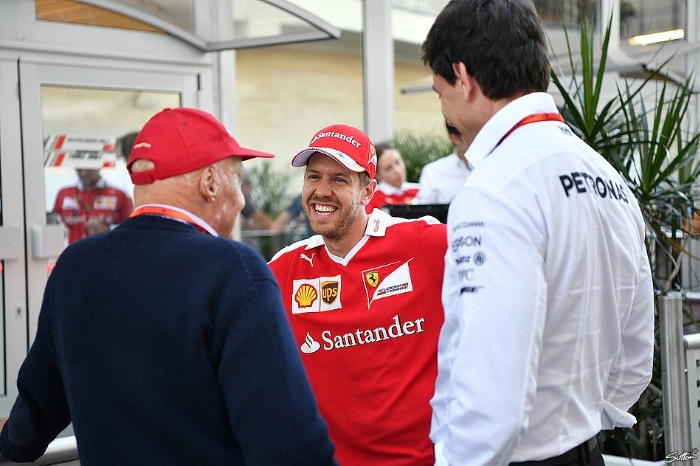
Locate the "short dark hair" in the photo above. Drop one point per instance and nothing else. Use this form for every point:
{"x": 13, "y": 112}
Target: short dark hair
{"x": 501, "y": 43}
{"x": 381, "y": 148}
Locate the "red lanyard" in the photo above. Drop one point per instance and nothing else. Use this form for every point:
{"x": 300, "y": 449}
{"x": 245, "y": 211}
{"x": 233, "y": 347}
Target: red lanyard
{"x": 535, "y": 118}
{"x": 170, "y": 213}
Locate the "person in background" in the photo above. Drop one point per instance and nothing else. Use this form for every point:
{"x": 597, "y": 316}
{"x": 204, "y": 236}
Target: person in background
{"x": 91, "y": 206}
{"x": 184, "y": 355}
{"x": 549, "y": 304}
{"x": 293, "y": 216}
{"x": 392, "y": 187}
{"x": 253, "y": 217}
{"x": 440, "y": 180}
{"x": 364, "y": 307}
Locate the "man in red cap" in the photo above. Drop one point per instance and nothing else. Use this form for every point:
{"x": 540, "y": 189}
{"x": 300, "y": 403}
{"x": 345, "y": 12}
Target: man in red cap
{"x": 363, "y": 299}
{"x": 184, "y": 356}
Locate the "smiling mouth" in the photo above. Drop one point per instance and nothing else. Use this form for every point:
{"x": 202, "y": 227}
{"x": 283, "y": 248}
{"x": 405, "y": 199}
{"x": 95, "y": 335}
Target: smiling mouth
{"x": 323, "y": 209}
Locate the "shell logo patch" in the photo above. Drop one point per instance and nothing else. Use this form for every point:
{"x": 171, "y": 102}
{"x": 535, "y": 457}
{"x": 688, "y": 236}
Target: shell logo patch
{"x": 372, "y": 279}
{"x": 105, "y": 202}
{"x": 305, "y": 294}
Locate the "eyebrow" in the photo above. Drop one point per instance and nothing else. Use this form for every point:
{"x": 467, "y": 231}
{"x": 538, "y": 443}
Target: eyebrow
{"x": 318, "y": 172}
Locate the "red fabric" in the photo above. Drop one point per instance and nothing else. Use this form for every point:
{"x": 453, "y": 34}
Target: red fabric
{"x": 347, "y": 145}
{"x": 373, "y": 382}
{"x": 75, "y": 206}
{"x": 181, "y": 140}
{"x": 380, "y": 199}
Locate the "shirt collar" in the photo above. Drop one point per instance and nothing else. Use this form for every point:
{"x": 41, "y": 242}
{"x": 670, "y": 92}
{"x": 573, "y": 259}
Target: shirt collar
{"x": 377, "y": 223}
{"x": 391, "y": 190}
{"x": 504, "y": 120}
{"x": 192, "y": 216}
{"x": 101, "y": 184}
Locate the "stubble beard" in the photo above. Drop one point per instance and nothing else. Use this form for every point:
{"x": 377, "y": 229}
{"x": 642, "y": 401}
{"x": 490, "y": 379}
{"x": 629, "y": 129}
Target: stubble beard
{"x": 339, "y": 230}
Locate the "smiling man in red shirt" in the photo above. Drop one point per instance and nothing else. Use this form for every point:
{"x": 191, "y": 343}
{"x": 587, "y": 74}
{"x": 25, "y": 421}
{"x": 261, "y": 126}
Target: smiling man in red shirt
{"x": 363, "y": 299}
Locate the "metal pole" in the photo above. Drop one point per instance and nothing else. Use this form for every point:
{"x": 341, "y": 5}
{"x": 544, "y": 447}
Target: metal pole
{"x": 378, "y": 61}
{"x": 673, "y": 373}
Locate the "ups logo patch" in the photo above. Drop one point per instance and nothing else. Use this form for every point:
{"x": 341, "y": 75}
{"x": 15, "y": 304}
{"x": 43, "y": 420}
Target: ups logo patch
{"x": 329, "y": 291}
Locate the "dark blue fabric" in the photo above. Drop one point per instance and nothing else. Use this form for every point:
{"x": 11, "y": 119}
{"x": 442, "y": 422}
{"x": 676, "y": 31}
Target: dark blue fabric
{"x": 165, "y": 346}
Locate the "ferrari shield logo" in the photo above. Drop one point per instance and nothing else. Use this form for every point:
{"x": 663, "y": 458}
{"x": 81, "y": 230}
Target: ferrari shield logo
{"x": 372, "y": 278}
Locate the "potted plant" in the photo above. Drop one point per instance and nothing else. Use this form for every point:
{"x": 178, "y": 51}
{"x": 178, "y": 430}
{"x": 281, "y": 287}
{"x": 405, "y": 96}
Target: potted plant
{"x": 641, "y": 132}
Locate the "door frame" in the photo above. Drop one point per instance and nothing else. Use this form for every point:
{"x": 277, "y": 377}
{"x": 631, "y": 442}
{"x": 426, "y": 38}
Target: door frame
{"x": 28, "y": 242}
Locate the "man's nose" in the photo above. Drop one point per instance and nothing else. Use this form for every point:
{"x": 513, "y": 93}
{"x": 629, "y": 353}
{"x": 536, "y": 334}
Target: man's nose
{"x": 324, "y": 189}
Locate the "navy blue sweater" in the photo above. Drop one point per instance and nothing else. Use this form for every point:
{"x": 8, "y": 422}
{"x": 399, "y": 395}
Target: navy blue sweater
{"x": 165, "y": 346}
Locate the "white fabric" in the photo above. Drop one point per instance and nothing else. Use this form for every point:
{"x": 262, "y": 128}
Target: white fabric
{"x": 391, "y": 190}
{"x": 441, "y": 180}
{"x": 548, "y": 298}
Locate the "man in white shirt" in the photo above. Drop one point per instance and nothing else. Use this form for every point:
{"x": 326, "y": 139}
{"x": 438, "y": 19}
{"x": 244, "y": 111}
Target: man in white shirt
{"x": 548, "y": 334}
{"x": 440, "y": 180}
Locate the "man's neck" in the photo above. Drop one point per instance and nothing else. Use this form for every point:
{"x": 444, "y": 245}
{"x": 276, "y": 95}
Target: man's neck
{"x": 461, "y": 156}
{"x": 341, "y": 247}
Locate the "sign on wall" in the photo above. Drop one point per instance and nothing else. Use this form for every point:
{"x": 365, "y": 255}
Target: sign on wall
{"x": 85, "y": 152}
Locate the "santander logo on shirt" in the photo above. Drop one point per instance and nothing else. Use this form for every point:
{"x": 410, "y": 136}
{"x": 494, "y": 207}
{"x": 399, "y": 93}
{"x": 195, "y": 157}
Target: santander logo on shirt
{"x": 396, "y": 329}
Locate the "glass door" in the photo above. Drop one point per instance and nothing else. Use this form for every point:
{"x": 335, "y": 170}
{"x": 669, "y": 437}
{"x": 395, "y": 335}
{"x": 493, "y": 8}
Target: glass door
{"x": 78, "y": 123}
{"x": 64, "y": 113}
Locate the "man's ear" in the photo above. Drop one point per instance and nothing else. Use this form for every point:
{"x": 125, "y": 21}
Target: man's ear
{"x": 465, "y": 81}
{"x": 369, "y": 192}
{"x": 209, "y": 183}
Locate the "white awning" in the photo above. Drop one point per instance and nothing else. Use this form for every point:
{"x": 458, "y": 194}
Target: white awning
{"x": 213, "y": 25}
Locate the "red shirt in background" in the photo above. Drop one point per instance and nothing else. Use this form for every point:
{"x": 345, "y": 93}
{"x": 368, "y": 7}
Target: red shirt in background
{"x": 104, "y": 203}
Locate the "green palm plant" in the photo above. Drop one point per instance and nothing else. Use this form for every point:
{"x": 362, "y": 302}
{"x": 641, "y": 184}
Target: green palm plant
{"x": 656, "y": 154}
{"x": 419, "y": 150}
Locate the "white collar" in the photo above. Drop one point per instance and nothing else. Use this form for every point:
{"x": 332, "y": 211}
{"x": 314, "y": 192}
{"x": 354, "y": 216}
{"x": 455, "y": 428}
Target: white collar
{"x": 377, "y": 223}
{"x": 504, "y": 120}
{"x": 391, "y": 190}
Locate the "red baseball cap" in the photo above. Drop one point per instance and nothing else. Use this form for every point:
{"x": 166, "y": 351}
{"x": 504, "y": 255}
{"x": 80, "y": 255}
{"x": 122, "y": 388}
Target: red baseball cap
{"x": 347, "y": 145}
{"x": 181, "y": 140}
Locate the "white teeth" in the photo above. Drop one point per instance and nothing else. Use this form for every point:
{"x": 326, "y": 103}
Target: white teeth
{"x": 324, "y": 208}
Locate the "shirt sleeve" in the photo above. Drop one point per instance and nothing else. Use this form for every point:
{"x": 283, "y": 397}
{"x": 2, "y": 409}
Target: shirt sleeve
{"x": 40, "y": 411}
{"x": 434, "y": 244}
{"x": 57, "y": 204}
{"x": 631, "y": 372}
{"x": 494, "y": 295}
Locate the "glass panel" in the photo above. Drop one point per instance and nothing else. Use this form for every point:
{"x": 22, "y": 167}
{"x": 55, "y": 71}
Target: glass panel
{"x": 3, "y": 386}
{"x": 87, "y": 137}
{"x": 250, "y": 22}
{"x": 180, "y": 12}
{"x": 69, "y": 11}
{"x": 426, "y": 7}
{"x": 90, "y": 132}
{"x": 253, "y": 19}
{"x": 570, "y": 11}
{"x": 645, "y": 17}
